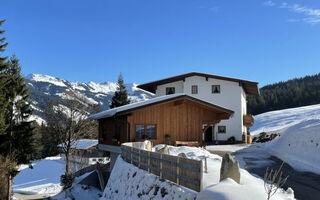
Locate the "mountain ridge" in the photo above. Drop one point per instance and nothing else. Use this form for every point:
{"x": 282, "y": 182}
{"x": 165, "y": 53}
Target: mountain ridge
{"x": 45, "y": 88}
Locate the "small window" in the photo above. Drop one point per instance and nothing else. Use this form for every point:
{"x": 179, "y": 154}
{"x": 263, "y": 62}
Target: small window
{"x": 170, "y": 90}
{"x": 140, "y": 131}
{"x": 194, "y": 89}
{"x": 93, "y": 159}
{"x": 151, "y": 131}
{"x": 215, "y": 88}
{"x": 100, "y": 159}
{"x": 222, "y": 129}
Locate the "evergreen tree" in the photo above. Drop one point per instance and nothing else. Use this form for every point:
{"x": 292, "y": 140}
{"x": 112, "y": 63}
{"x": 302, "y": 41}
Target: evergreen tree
{"x": 16, "y": 132}
{"x": 120, "y": 97}
{"x": 3, "y": 80}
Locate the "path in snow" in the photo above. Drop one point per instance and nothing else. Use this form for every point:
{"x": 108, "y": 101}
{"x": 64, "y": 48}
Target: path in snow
{"x": 256, "y": 160}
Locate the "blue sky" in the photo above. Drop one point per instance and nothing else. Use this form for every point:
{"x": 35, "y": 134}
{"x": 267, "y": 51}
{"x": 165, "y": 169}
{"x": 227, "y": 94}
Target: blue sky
{"x": 95, "y": 40}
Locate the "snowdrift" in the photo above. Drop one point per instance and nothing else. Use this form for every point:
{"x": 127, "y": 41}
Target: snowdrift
{"x": 299, "y": 146}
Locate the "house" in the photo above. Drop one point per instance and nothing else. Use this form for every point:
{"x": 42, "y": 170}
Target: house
{"x": 226, "y": 92}
{"x": 179, "y": 116}
{"x": 85, "y": 152}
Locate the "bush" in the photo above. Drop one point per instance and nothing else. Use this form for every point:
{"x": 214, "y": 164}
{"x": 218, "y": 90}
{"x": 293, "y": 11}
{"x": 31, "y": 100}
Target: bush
{"x": 66, "y": 180}
{"x": 231, "y": 140}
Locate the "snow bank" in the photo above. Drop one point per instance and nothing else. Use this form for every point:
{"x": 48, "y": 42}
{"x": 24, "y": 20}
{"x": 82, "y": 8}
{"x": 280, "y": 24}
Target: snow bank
{"x": 278, "y": 121}
{"x": 299, "y": 146}
{"x": 129, "y": 182}
{"x": 44, "y": 178}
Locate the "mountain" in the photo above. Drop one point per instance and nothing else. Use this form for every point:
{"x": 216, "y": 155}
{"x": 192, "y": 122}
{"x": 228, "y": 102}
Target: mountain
{"x": 289, "y": 94}
{"x": 44, "y": 88}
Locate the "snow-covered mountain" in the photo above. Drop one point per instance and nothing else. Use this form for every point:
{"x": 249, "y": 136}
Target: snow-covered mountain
{"x": 44, "y": 88}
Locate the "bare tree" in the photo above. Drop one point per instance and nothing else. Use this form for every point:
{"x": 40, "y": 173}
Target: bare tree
{"x": 273, "y": 180}
{"x": 68, "y": 118}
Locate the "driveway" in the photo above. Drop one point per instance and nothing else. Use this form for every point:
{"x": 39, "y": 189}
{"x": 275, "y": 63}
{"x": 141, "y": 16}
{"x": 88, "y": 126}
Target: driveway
{"x": 306, "y": 185}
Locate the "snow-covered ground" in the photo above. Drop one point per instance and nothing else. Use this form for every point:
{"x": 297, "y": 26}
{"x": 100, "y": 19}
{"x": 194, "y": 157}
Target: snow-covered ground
{"x": 44, "y": 178}
{"x": 278, "y": 121}
{"x": 129, "y": 182}
{"x": 299, "y": 143}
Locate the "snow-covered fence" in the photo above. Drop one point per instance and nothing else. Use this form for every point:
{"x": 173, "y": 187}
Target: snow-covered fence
{"x": 182, "y": 171}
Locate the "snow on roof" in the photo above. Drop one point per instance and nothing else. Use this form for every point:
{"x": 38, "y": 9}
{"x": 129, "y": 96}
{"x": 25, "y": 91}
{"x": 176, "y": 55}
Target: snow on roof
{"x": 114, "y": 111}
{"x": 83, "y": 144}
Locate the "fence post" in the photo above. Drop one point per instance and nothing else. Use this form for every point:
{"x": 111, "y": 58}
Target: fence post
{"x": 161, "y": 166}
{"x": 131, "y": 149}
{"x": 139, "y": 159}
{"x": 149, "y": 161}
{"x": 178, "y": 170}
{"x": 201, "y": 176}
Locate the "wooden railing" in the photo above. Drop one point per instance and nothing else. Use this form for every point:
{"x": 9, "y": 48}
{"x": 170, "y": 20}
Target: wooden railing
{"x": 182, "y": 171}
{"x": 248, "y": 120}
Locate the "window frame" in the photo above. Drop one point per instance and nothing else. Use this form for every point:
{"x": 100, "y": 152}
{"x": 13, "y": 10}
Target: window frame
{"x": 213, "y": 89}
{"x": 170, "y": 88}
{"x": 145, "y": 131}
{"x": 196, "y": 89}
{"x": 225, "y": 130}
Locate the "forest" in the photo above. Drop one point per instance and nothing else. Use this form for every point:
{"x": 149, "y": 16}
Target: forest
{"x": 289, "y": 94}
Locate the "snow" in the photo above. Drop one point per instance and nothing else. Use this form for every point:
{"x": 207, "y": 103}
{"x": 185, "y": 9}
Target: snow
{"x": 112, "y": 112}
{"x": 129, "y": 182}
{"x": 47, "y": 78}
{"x": 299, "y": 146}
{"x": 278, "y": 121}
{"x": 299, "y": 141}
{"x": 83, "y": 144}
{"x": 78, "y": 191}
{"x": 44, "y": 178}
{"x": 228, "y": 148}
{"x": 106, "y": 87}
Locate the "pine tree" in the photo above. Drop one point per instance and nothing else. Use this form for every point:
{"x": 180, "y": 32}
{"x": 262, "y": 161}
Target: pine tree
{"x": 16, "y": 136}
{"x": 120, "y": 97}
{"x": 3, "y": 80}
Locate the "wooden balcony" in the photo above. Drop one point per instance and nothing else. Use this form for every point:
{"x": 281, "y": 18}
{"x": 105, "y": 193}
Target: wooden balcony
{"x": 248, "y": 120}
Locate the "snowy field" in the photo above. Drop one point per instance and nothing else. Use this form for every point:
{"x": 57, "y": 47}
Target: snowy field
{"x": 44, "y": 178}
{"x": 278, "y": 121}
{"x": 299, "y": 143}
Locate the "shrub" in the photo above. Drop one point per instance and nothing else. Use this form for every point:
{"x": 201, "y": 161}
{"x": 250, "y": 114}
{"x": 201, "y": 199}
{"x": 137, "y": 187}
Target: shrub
{"x": 66, "y": 180}
{"x": 231, "y": 140}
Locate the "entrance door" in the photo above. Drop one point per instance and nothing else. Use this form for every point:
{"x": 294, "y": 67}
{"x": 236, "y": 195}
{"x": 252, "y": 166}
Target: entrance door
{"x": 209, "y": 135}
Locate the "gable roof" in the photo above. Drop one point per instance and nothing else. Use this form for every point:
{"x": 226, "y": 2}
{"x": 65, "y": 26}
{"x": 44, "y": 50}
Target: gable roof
{"x": 248, "y": 86}
{"x": 82, "y": 144}
{"x": 153, "y": 101}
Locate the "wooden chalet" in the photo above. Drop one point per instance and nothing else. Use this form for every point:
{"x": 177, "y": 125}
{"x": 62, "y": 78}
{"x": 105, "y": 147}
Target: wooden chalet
{"x": 164, "y": 119}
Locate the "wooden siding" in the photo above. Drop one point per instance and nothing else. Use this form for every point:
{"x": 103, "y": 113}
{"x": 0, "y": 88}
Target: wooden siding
{"x": 181, "y": 119}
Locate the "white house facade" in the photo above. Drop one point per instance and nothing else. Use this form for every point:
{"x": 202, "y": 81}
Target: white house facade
{"x": 226, "y": 92}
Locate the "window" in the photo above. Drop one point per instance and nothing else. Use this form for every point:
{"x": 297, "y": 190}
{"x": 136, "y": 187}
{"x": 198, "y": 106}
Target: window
{"x": 147, "y": 131}
{"x": 151, "y": 132}
{"x": 215, "y": 88}
{"x": 170, "y": 90}
{"x": 194, "y": 89}
{"x": 221, "y": 129}
{"x": 140, "y": 131}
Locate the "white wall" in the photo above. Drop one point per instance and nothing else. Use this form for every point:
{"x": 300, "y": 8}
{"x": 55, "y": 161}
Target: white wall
{"x": 161, "y": 89}
{"x": 230, "y": 97}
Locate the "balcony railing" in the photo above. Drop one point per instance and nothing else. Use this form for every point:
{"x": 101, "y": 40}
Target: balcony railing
{"x": 248, "y": 120}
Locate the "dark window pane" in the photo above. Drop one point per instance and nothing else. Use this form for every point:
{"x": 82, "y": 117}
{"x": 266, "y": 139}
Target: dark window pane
{"x": 194, "y": 89}
{"x": 215, "y": 88}
{"x": 151, "y": 132}
{"x": 221, "y": 129}
{"x": 140, "y": 131}
{"x": 170, "y": 90}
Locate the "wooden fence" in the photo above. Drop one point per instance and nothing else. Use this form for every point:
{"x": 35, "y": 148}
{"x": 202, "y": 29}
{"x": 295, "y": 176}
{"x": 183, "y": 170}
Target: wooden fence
{"x": 182, "y": 171}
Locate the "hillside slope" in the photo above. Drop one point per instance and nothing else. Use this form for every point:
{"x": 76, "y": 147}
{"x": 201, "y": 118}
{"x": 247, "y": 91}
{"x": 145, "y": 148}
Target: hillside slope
{"x": 299, "y": 141}
{"x": 45, "y": 88}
